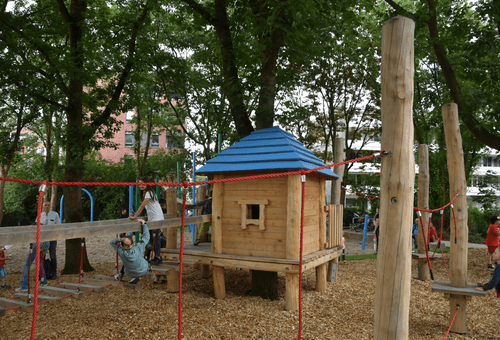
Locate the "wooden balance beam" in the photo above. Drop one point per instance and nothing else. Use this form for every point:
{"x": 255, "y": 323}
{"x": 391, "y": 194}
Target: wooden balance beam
{"x": 26, "y": 235}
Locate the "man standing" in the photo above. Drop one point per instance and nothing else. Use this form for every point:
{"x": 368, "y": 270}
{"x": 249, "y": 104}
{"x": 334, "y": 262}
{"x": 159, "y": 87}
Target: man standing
{"x": 48, "y": 217}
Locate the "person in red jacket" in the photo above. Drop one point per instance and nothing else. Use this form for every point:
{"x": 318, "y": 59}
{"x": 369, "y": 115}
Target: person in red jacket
{"x": 433, "y": 236}
{"x": 493, "y": 238}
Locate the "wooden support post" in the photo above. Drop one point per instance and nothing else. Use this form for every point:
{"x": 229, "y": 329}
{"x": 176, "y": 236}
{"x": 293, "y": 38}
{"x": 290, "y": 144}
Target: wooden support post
{"x": 322, "y": 213}
{"x": 423, "y": 203}
{"x": 293, "y": 240}
{"x": 217, "y": 205}
{"x": 219, "y": 284}
{"x": 458, "y": 185}
{"x": 392, "y": 293}
{"x": 292, "y": 292}
{"x": 338, "y": 157}
{"x": 331, "y": 275}
{"x": 321, "y": 277}
{"x": 201, "y": 193}
{"x": 205, "y": 271}
{"x": 173, "y": 276}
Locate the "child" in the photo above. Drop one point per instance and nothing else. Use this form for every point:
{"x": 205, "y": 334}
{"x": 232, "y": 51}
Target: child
{"x": 153, "y": 209}
{"x": 134, "y": 265}
{"x": 343, "y": 250}
{"x": 492, "y": 238}
{"x": 206, "y": 210}
{"x": 3, "y": 274}
{"x": 495, "y": 281}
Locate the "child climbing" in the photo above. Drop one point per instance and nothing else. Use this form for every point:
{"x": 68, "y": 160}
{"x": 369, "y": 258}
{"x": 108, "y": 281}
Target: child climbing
{"x": 134, "y": 265}
{"x": 154, "y": 213}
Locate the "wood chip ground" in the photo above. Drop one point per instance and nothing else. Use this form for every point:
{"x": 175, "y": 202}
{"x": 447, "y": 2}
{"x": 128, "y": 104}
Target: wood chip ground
{"x": 344, "y": 311}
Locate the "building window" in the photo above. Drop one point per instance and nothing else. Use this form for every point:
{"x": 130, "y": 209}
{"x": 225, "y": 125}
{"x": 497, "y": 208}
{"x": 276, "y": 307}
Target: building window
{"x": 487, "y": 161}
{"x": 129, "y": 116}
{"x": 155, "y": 140}
{"x": 129, "y": 139}
{"x": 173, "y": 142}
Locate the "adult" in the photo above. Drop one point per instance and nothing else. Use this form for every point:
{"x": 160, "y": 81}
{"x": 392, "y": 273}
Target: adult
{"x": 492, "y": 238}
{"x": 49, "y": 217}
{"x": 123, "y": 214}
{"x": 29, "y": 260}
{"x": 206, "y": 210}
{"x": 376, "y": 232}
{"x": 153, "y": 209}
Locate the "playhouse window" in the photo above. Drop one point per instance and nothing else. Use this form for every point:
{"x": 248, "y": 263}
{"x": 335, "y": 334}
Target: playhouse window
{"x": 252, "y": 212}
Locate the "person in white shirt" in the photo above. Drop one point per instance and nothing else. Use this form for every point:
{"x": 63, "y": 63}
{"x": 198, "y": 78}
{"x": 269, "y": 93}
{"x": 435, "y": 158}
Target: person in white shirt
{"x": 154, "y": 213}
{"x": 48, "y": 217}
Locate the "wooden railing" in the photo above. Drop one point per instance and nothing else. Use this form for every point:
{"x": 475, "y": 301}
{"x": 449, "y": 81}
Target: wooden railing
{"x": 335, "y": 224}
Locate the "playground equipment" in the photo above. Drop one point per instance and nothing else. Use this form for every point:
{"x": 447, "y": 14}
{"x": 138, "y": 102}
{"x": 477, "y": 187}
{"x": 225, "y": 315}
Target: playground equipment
{"x": 256, "y": 222}
{"x": 91, "y": 206}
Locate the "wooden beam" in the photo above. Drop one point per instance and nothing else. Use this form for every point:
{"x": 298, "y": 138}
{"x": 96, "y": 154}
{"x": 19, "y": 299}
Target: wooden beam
{"x": 392, "y": 292}
{"x": 9, "y": 303}
{"x": 423, "y": 203}
{"x": 88, "y": 229}
{"x": 217, "y": 208}
{"x": 458, "y": 185}
{"x": 41, "y": 298}
{"x": 83, "y": 287}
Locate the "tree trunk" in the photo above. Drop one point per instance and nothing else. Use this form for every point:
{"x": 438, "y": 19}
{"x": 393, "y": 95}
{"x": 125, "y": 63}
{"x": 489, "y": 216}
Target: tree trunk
{"x": 4, "y": 172}
{"x": 264, "y": 284}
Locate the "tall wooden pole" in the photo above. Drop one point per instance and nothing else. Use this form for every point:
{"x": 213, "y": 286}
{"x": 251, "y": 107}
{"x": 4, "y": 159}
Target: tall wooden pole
{"x": 338, "y": 157}
{"x": 392, "y": 293}
{"x": 423, "y": 203}
{"x": 458, "y": 185}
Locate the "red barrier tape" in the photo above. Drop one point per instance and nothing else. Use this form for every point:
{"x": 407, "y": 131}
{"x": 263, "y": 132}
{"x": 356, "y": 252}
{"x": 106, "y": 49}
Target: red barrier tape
{"x": 12, "y": 308}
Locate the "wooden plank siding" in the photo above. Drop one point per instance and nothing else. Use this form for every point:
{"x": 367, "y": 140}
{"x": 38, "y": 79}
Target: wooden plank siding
{"x": 334, "y": 237}
{"x": 252, "y": 241}
{"x": 311, "y": 216}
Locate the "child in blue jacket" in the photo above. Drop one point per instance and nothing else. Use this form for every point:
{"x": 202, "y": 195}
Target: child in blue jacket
{"x": 134, "y": 264}
{"x": 495, "y": 281}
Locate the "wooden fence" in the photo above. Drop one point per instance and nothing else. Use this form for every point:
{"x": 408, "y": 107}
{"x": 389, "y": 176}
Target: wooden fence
{"x": 335, "y": 224}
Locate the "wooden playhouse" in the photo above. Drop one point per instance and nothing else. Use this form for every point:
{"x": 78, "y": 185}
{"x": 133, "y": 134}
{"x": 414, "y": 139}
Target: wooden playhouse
{"x": 256, "y": 222}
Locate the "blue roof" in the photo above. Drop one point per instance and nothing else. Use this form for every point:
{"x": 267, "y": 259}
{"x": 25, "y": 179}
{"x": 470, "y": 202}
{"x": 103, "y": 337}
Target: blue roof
{"x": 265, "y": 149}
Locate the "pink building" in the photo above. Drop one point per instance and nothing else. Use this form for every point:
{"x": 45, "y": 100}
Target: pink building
{"x": 125, "y": 140}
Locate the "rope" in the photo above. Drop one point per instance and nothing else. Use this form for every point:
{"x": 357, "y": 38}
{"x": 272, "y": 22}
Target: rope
{"x": 35, "y": 304}
{"x": 455, "y": 221}
{"x": 184, "y": 191}
{"x": 452, "y": 320}
{"x": 434, "y": 210}
{"x": 426, "y": 245}
{"x": 303, "y": 179}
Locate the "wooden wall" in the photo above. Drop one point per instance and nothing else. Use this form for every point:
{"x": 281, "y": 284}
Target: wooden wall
{"x": 270, "y": 242}
{"x": 311, "y": 214}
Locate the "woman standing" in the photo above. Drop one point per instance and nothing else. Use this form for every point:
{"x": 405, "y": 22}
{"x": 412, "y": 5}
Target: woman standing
{"x": 154, "y": 213}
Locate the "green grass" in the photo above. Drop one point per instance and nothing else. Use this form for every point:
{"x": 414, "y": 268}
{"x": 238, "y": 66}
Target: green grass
{"x": 360, "y": 257}
{"x": 374, "y": 256}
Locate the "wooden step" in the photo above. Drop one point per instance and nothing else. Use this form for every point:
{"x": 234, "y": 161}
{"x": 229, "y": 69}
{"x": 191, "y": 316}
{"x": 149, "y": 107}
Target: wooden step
{"x": 83, "y": 287}
{"x": 41, "y": 298}
{"x": 2, "y": 311}
{"x": 100, "y": 282}
{"x": 61, "y": 291}
{"x": 9, "y": 303}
